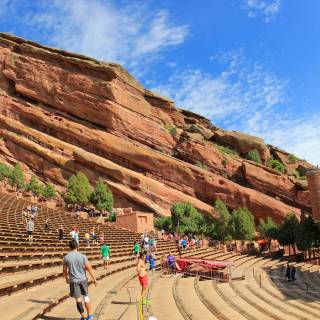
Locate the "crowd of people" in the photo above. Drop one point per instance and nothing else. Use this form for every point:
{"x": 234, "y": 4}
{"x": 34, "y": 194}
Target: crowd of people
{"x": 75, "y": 264}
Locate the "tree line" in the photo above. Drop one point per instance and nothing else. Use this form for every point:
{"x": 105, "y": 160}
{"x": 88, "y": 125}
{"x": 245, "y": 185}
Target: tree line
{"x": 78, "y": 190}
{"x": 239, "y": 224}
{"x": 14, "y": 176}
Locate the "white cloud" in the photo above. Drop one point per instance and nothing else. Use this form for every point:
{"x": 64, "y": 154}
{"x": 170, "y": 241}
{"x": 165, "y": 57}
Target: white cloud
{"x": 131, "y": 34}
{"x": 248, "y": 97}
{"x": 266, "y": 8}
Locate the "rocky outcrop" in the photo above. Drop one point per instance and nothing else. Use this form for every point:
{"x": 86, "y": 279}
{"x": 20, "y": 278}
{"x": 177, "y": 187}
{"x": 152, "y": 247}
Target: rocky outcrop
{"x": 62, "y": 112}
{"x": 241, "y": 142}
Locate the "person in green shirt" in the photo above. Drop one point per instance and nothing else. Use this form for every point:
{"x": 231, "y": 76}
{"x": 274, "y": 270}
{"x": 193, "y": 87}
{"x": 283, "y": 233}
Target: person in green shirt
{"x": 136, "y": 248}
{"x": 105, "y": 252}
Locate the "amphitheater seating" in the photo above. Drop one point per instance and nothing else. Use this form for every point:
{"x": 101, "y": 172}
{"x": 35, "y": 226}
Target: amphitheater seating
{"x": 175, "y": 297}
{"x": 25, "y": 265}
{"x": 31, "y": 283}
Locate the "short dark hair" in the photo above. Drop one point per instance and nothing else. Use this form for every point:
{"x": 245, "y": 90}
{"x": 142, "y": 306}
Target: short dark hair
{"x": 73, "y": 244}
{"x": 141, "y": 255}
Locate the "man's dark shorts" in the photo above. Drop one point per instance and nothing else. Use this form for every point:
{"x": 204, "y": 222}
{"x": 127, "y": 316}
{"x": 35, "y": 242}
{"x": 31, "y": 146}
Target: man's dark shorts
{"x": 29, "y": 233}
{"x": 78, "y": 289}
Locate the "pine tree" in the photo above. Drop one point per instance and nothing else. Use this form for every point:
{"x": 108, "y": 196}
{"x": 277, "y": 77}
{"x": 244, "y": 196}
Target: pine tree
{"x": 102, "y": 197}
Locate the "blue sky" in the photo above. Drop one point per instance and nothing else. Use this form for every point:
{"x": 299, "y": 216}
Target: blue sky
{"x": 248, "y": 65}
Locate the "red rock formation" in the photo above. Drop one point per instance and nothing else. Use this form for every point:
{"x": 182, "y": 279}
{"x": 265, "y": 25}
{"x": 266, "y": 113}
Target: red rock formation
{"x": 314, "y": 183}
{"x": 62, "y": 112}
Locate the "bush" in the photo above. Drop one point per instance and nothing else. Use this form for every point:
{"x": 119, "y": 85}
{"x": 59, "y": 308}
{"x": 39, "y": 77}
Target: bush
{"x": 49, "y": 191}
{"x": 170, "y": 128}
{"x": 226, "y": 150}
{"x": 201, "y": 165}
{"x": 112, "y": 217}
{"x": 225, "y": 162}
{"x": 277, "y": 165}
{"x": 293, "y": 158}
{"x": 5, "y": 171}
{"x": 102, "y": 197}
{"x": 254, "y": 155}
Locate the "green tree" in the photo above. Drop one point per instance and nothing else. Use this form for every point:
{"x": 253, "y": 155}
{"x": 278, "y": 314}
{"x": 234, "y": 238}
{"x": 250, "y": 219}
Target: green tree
{"x": 34, "y": 186}
{"x": 164, "y": 223}
{"x": 16, "y": 177}
{"x": 186, "y": 218}
{"x": 49, "y": 191}
{"x": 307, "y": 235}
{"x": 254, "y": 155}
{"x": 5, "y": 171}
{"x": 242, "y": 224}
{"x": 101, "y": 197}
{"x": 222, "y": 228}
{"x": 78, "y": 189}
{"x": 277, "y": 165}
{"x": 268, "y": 229}
{"x": 287, "y": 231}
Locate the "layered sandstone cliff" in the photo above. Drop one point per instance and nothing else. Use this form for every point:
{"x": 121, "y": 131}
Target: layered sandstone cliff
{"x": 62, "y": 112}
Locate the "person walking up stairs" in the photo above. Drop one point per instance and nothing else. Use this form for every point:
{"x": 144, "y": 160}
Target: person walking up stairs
{"x": 75, "y": 265}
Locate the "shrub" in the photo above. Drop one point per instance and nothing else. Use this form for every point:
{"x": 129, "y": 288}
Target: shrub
{"x": 277, "y": 165}
{"x": 225, "y": 162}
{"x": 174, "y": 153}
{"x": 112, "y": 217}
{"x": 254, "y": 155}
{"x": 296, "y": 174}
{"x": 49, "y": 191}
{"x": 170, "y": 128}
{"x": 201, "y": 165}
{"x": 5, "y": 171}
{"x": 226, "y": 150}
{"x": 293, "y": 158}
